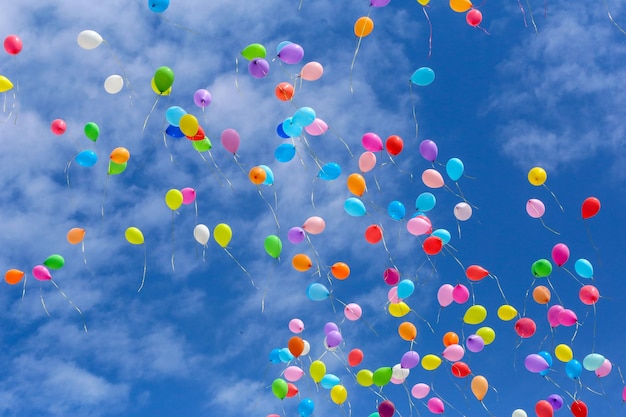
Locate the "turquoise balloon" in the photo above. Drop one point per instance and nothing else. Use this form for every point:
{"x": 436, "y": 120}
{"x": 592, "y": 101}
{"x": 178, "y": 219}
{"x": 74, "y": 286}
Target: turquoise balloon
{"x": 285, "y": 152}
{"x": 173, "y": 115}
{"x": 354, "y": 207}
{"x": 423, "y": 76}
{"x": 86, "y": 158}
{"x": 573, "y": 369}
{"x": 285, "y": 355}
{"x": 329, "y": 380}
{"x": 304, "y": 116}
{"x": 396, "y": 210}
{"x": 593, "y": 361}
{"x": 306, "y": 407}
{"x": 548, "y": 358}
{"x": 269, "y": 175}
{"x": 158, "y": 6}
{"x": 584, "y": 268}
{"x": 405, "y": 288}
{"x": 330, "y": 171}
{"x": 455, "y": 168}
{"x": 425, "y": 202}
{"x": 291, "y": 129}
{"x": 442, "y": 234}
{"x": 317, "y": 292}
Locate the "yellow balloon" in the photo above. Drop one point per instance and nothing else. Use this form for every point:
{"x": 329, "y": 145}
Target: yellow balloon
{"x": 174, "y": 199}
{"x": 487, "y": 333}
{"x": 431, "y": 362}
{"x": 134, "y": 236}
{"x": 563, "y": 353}
{"x": 423, "y": 2}
{"x": 156, "y": 90}
{"x": 537, "y": 176}
{"x": 460, "y": 6}
{"x": 223, "y": 234}
{"x": 479, "y": 386}
{"x": 189, "y": 125}
{"x": 356, "y": 184}
{"x": 476, "y": 314}
{"x": 400, "y": 309}
{"x": 507, "y": 312}
{"x": 317, "y": 370}
{"x": 339, "y": 394}
{"x": 365, "y": 377}
{"x": 5, "y": 84}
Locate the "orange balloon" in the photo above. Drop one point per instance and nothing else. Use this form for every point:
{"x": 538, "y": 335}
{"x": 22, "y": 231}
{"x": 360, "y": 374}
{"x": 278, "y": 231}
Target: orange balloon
{"x": 479, "y": 387}
{"x": 541, "y": 294}
{"x": 460, "y": 6}
{"x": 13, "y": 276}
{"x": 340, "y": 270}
{"x": 257, "y": 175}
{"x": 296, "y": 346}
{"x": 75, "y": 235}
{"x": 120, "y": 155}
{"x": 450, "y": 338}
{"x": 356, "y": 184}
{"x": 284, "y": 91}
{"x": 407, "y": 331}
{"x": 363, "y": 26}
{"x": 301, "y": 262}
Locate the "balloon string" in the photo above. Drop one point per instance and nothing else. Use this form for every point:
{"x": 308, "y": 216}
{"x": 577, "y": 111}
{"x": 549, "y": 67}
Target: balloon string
{"x": 220, "y": 171}
{"x": 425, "y": 321}
{"x": 387, "y": 249}
{"x": 186, "y": 29}
{"x": 554, "y": 196}
{"x": 240, "y": 266}
{"x": 593, "y": 245}
{"x": 71, "y": 303}
{"x": 356, "y": 51}
{"x": 115, "y": 57}
{"x": 270, "y": 206}
{"x": 546, "y": 226}
{"x": 237, "y": 74}
{"x": 499, "y": 288}
{"x": 145, "y": 122}
{"x": 553, "y": 290}
{"x": 173, "y": 242}
{"x": 104, "y": 197}
{"x": 313, "y": 192}
{"x": 430, "y": 32}
{"x": 606, "y": 6}
{"x": 595, "y": 325}
{"x": 145, "y": 267}
{"x": 432, "y": 388}
{"x": 413, "y": 105}
{"x": 67, "y": 172}
{"x": 342, "y": 141}
{"x": 239, "y": 164}
{"x": 532, "y": 18}
{"x": 172, "y": 160}
{"x": 43, "y": 304}
{"x": 572, "y": 275}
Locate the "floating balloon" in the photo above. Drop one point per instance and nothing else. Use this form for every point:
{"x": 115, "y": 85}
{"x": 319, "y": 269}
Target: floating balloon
{"x": 285, "y": 152}
{"x": 573, "y": 369}
{"x": 583, "y": 268}
{"x": 158, "y": 6}
{"x": 563, "y": 353}
{"x": 525, "y": 327}
{"x": 254, "y": 50}
{"x": 461, "y": 294}
{"x": 355, "y": 357}
{"x": 544, "y": 409}
{"x": 230, "y": 140}
{"x": 314, "y": 225}
{"x": 5, "y": 84}
{"x": 301, "y": 262}
{"x": 420, "y": 390}
{"x": 474, "y": 343}
{"x": 58, "y": 126}
{"x": 75, "y": 235}
{"x": 560, "y": 254}
{"x": 460, "y": 369}
{"x": 329, "y": 172}
{"x": 460, "y": 6}
{"x": 163, "y": 78}
{"x": 13, "y": 276}
{"x": 312, "y": 71}
{"x": 317, "y": 128}
{"x": 119, "y": 155}
{"x": 291, "y": 53}
{"x": 541, "y": 294}
{"x": 258, "y": 68}
{"x": 13, "y": 45}
{"x": 284, "y": 91}
{"x": 507, "y": 312}
{"x": 372, "y": 142}
{"x": 536, "y": 363}
{"x": 89, "y": 39}
{"x": 432, "y": 245}
{"x": 113, "y": 84}
{"x": 363, "y": 27}
{"x": 354, "y": 207}
{"x": 579, "y": 409}
{"x": 373, "y": 234}
{"x": 367, "y": 161}
{"x": 476, "y": 314}
{"x": 222, "y": 233}
{"x": 435, "y": 405}
{"x": 317, "y": 292}
{"x": 340, "y": 270}
{"x": 422, "y": 77}
{"x": 556, "y": 401}
{"x": 202, "y": 98}
{"x": 428, "y": 150}
{"x": 202, "y": 234}
{"x": 462, "y": 211}
{"x": 590, "y": 207}
{"x": 474, "y": 17}
{"x": 476, "y": 272}
{"x": 589, "y": 295}
{"x": 356, "y": 184}
{"x": 352, "y": 311}
{"x": 479, "y": 387}
{"x": 86, "y": 158}
{"x": 432, "y": 178}
{"x": 535, "y": 208}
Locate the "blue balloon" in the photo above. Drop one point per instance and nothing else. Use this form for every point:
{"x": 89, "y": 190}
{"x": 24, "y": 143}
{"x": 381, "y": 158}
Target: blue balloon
{"x": 174, "y": 131}
{"x": 442, "y": 234}
{"x": 455, "y": 168}
{"x": 285, "y": 152}
{"x": 281, "y": 46}
{"x": 396, "y": 210}
{"x": 285, "y": 355}
{"x": 573, "y": 369}
{"x": 584, "y": 268}
{"x": 275, "y": 356}
{"x": 423, "y": 76}
{"x": 306, "y": 407}
{"x": 291, "y": 129}
{"x": 173, "y": 115}
{"x": 405, "y": 288}
{"x": 269, "y": 175}
{"x": 281, "y": 132}
{"x": 354, "y": 207}
{"x": 317, "y": 292}
{"x": 548, "y": 358}
{"x": 158, "y": 6}
{"x": 304, "y": 116}
{"x": 329, "y": 380}
{"x": 86, "y": 158}
{"x": 425, "y": 202}
{"x": 330, "y": 171}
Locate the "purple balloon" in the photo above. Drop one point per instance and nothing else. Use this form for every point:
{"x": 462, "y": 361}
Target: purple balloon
{"x": 410, "y": 359}
{"x": 259, "y": 67}
{"x": 330, "y": 327}
{"x": 202, "y": 98}
{"x": 379, "y": 3}
{"x": 429, "y": 150}
{"x": 296, "y": 235}
{"x": 536, "y": 363}
{"x": 556, "y": 401}
{"x": 291, "y": 53}
{"x": 333, "y": 338}
{"x": 475, "y": 343}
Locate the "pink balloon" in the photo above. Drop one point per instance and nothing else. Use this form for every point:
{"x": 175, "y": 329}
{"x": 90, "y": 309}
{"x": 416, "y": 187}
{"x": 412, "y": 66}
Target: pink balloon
{"x": 311, "y": 71}
{"x": 444, "y": 295}
{"x": 420, "y": 390}
{"x": 604, "y": 369}
{"x": 589, "y": 295}
{"x": 435, "y": 405}
{"x": 367, "y": 161}
{"x": 460, "y": 293}
{"x": 58, "y": 126}
{"x": 230, "y": 140}
{"x": 624, "y": 394}
{"x": 317, "y": 128}
{"x": 12, "y": 45}
{"x": 535, "y": 208}
{"x": 189, "y": 195}
{"x": 293, "y": 373}
{"x": 41, "y": 273}
{"x": 553, "y": 315}
{"x": 454, "y": 353}
{"x": 560, "y": 254}
{"x": 462, "y": 211}
{"x": 296, "y": 325}
{"x": 372, "y": 142}
{"x": 432, "y": 178}
{"x": 419, "y": 225}
{"x": 392, "y": 295}
{"x": 352, "y": 311}
{"x": 314, "y": 225}
{"x": 474, "y": 17}
{"x": 568, "y": 318}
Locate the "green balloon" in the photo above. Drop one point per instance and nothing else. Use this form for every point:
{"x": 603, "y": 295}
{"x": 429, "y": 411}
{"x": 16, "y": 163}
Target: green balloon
{"x": 375, "y": 414}
{"x": 254, "y": 50}
{"x": 541, "y": 268}
{"x": 273, "y": 246}
{"x": 54, "y": 261}
{"x": 280, "y": 388}
{"x": 163, "y": 78}
{"x": 92, "y": 131}
{"x": 115, "y": 168}
{"x": 203, "y": 145}
{"x": 382, "y": 376}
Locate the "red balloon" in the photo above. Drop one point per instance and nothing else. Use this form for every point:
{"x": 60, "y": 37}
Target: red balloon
{"x": 355, "y": 357}
{"x": 544, "y": 409}
{"x": 432, "y": 245}
{"x": 394, "y": 145}
{"x": 590, "y": 207}
{"x": 589, "y": 295}
{"x": 12, "y": 44}
{"x": 579, "y": 409}
{"x": 460, "y": 369}
{"x": 58, "y": 126}
{"x": 373, "y": 234}
{"x": 200, "y": 135}
{"x": 476, "y": 272}
{"x": 292, "y": 390}
{"x": 474, "y": 17}
{"x": 525, "y": 327}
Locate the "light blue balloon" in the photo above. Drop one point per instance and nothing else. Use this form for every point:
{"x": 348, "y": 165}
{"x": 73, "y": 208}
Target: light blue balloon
{"x": 396, "y": 210}
{"x": 158, "y": 6}
{"x": 593, "y": 361}
{"x": 306, "y": 407}
{"x": 425, "y": 202}
{"x": 405, "y": 288}
{"x": 173, "y": 115}
{"x": 269, "y": 175}
{"x": 354, "y": 207}
{"x": 330, "y": 171}
{"x": 548, "y": 358}
{"x": 455, "y": 168}
{"x": 442, "y": 234}
{"x": 317, "y": 292}
{"x": 584, "y": 268}
{"x": 275, "y": 356}
{"x": 285, "y": 355}
{"x": 86, "y": 158}
{"x": 304, "y": 116}
{"x": 573, "y": 369}
{"x": 284, "y": 152}
{"x": 281, "y": 46}
{"x": 291, "y": 129}
{"x": 423, "y": 76}
{"x": 329, "y": 380}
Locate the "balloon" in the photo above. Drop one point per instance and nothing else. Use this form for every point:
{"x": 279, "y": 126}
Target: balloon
{"x": 306, "y": 407}
{"x": 75, "y": 235}
{"x": 311, "y": 71}
{"x": 460, "y": 369}
{"x": 365, "y": 377}
{"x": 476, "y": 314}
{"x": 382, "y": 376}
{"x": 396, "y": 210}
{"x": 560, "y": 254}
{"x": 591, "y": 362}
{"x": 257, "y": 175}
{"x": 519, "y": 413}
{"x": 134, "y": 236}
{"x": 330, "y": 171}
{"x": 405, "y": 288}
{"x": 222, "y": 234}
{"x": 432, "y": 178}
{"x": 291, "y": 129}
{"x": 333, "y": 339}
{"x": 541, "y": 268}
{"x": 544, "y": 409}
{"x": 317, "y": 292}
{"x": 487, "y": 334}
{"x": 462, "y": 211}
{"x": 356, "y": 184}
{"x": 431, "y": 362}
{"x": 296, "y": 235}
{"x": 317, "y": 128}
{"x": 394, "y": 145}
{"x": 338, "y": 394}
{"x": 579, "y": 409}
{"x": 420, "y": 391}
{"x": 475, "y": 272}
{"x": 202, "y": 98}
{"x": 304, "y": 116}
{"x": 5, "y": 84}
{"x": 479, "y": 387}
{"x": 537, "y": 176}
{"x": 113, "y": 84}
{"x": 173, "y": 115}
{"x": 12, "y": 45}
{"x": 419, "y": 225}
{"x": 506, "y": 312}
{"x": 386, "y": 408}
{"x": 604, "y": 369}
{"x": 450, "y": 338}
{"x": 293, "y": 373}
{"x": 55, "y": 261}
{"x": 230, "y": 140}
{"x": 158, "y": 6}
{"x": 556, "y": 401}
{"x": 525, "y": 327}
{"x": 355, "y": 357}
{"x": 354, "y": 207}
{"x": 41, "y": 273}
{"x": 410, "y": 359}
{"x": 583, "y": 268}
{"x": 115, "y": 168}
{"x": 474, "y": 343}
{"x": 590, "y": 207}
{"x": 428, "y": 150}
{"x": 254, "y": 50}
{"x": 340, "y": 270}
{"x": 554, "y": 312}
{"x": 541, "y": 294}
{"x": 425, "y": 202}
{"x": 372, "y": 142}
{"x": 461, "y": 294}
{"x": 435, "y": 405}
{"x": 455, "y": 169}
{"x": 119, "y": 155}
{"x": 258, "y": 67}
{"x": 292, "y": 391}
{"x": 367, "y": 161}
{"x": 58, "y": 126}
{"x": 317, "y": 370}
{"x": 400, "y": 309}
{"x": 568, "y": 318}
{"x": 373, "y": 234}
{"x": 391, "y": 276}
{"x": 285, "y": 152}
{"x": 173, "y": 199}
{"x": 273, "y": 246}
{"x": 453, "y": 352}
{"x": 535, "y": 208}
{"x": 432, "y": 245}
{"x": 189, "y": 125}
{"x": 284, "y": 91}
{"x": 363, "y": 27}
{"x": 86, "y": 158}
{"x": 352, "y": 311}
{"x": 460, "y": 6}
{"x": 422, "y": 77}
{"x": 301, "y": 262}
{"x": 407, "y": 331}
{"x": 163, "y": 78}
{"x": 589, "y": 295}
{"x": 285, "y": 356}
{"x": 536, "y": 363}
{"x": 296, "y": 325}
{"x": 573, "y": 369}
{"x": 203, "y": 145}
{"x": 444, "y": 295}
{"x": 174, "y": 131}
{"x": 89, "y": 39}
{"x": 291, "y": 53}
{"x": 13, "y": 276}
{"x": 201, "y": 233}
{"x": 314, "y": 225}
{"x": 563, "y": 353}
{"x": 474, "y": 17}
{"x": 379, "y": 3}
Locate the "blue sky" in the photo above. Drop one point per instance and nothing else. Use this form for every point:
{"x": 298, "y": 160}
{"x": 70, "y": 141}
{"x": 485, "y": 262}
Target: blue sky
{"x": 197, "y": 339}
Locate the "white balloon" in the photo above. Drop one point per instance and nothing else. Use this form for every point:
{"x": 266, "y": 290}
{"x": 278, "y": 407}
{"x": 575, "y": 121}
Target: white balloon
{"x": 201, "y": 233}
{"x": 113, "y": 84}
{"x": 462, "y": 211}
{"x": 307, "y": 348}
{"x": 399, "y": 373}
{"x": 519, "y": 413}
{"x": 89, "y": 39}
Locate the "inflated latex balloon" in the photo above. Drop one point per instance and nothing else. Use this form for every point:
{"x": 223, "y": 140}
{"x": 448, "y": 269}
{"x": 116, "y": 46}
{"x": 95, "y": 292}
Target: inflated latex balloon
{"x": 314, "y": 225}
{"x": 589, "y": 295}
{"x": 363, "y": 27}
{"x": 202, "y": 234}
{"x": 291, "y": 53}
{"x": 444, "y": 295}
{"x": 311, "y": 71}
{"x": 372, "y": 142}
{"x": 41, "y": 273}
{"x": 386, "y": 409}
{"x": 134, "y": 236}
{"x": 573, "y": 369}
{"x": 89, "y": 39}
{"x": 432, "y": 245}
{"x": 479, "y": 387}
{"x": 423, "y": 76}
{"x": 460, "y": 6}
{"x": 476, "y": 314}
{"x": 254, "y": 50}
{"x": 86, "y": 158}
{"x": 222, "y": 233}
{"x": 158, "y": 6}
{"x": 593, "y": 361}
{"x": 340, "y": 270}
{"x": 435, "y": 405}
{"x": 394, "y": 145}
{"x": 317, "y": 292}
{"x": 544, "y": 409}
{"x": 525, "y": 327}
{"x": 579, "y": 409}
{"x": 461, "y": 294}
{"x": 317, "y": 128}
{"x": 460, "y": 369}
{"x": 537, "y": 176}
{"x": 202, "y": 98}
{"x": 462, "y": 211}
{"x": 12, "y": 45}
{"x": 563, "y": 353}
{"x": 355, "y": 357}
{"x": 367, "y": 161}
{"x": 301, "y": 262}
{"x": 352, "y": 311}
{"x": 113, "y": 84}
{"x": 407, "y": 331}
{"x": 420, "y": 390}
{"x": 431, "y": 362}
{"x": 329, "y": 172}
{"x": 507, "y": 312}
{"x": 163, "y": 79}
{"x": 455, "y": 169}
{"x": 373, "y": 234}
{"x": 583, "y": 268}
{"x": 560, "y": 254}
{"x": 428, "y": 150}
{"x": 13, "y": 276}
{"x": 474, "y": 17}
{"x": 174, "y": 199}
{"x": 476, "y": 272}
{"x": 354, "y": 207}
{"x": 590, "y": 207}
{"x": 541, "y": 294}
{"x": 474, "y": 343}
{"x": 535, "y": 208}
{"x": 58, "y": 126}
{"x": 258, "y": 68}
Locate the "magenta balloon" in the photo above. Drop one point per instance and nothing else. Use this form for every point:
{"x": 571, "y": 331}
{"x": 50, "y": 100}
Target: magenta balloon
{"x": 230, "y": 140}
{"x": 386, "y": 409}
{"x": 428, "y": 150}
{"x": 535, "y": 208}
{"x": 560, "y": 254}
{"x": 410, "y": 359}
{"x": 454, "y": 352}
{"x": 391, "y": 276}
{"x": 259, "y": 67}
{"x": 536, "y": 363}
{"x": 568, "y": 317}
{"x": 460, "y": 293}
{"x": 435, "y": 405}
{"x": 420, "y": 390}
{"x": 372, "y": 142}
{"x": 444, "y": 295}
{"x": 202, "y": 98}
{"x": 553, "y": 315}
{"x": 474, "y": 343}
{"x": 296, "y": 235}
{"x": 604, "y": 369}
{"x": 291, "y": 53}
{"x": 41, "y": 273}
{"x": 189, "y": 195}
